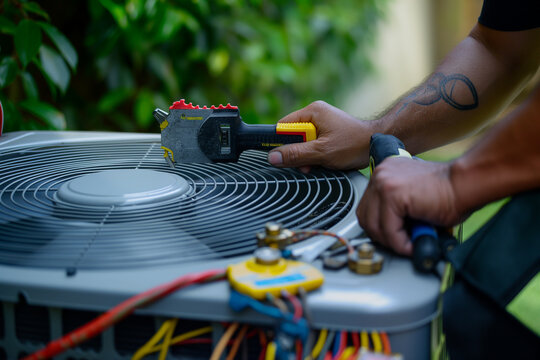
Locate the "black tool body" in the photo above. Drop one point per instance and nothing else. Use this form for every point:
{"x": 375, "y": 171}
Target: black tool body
{"x": 426, "y": 249}
{"x": 224, "y": 136}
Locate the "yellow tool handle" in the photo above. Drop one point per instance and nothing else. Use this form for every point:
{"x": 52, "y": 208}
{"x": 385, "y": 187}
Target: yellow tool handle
{"x": 306, "y": 129}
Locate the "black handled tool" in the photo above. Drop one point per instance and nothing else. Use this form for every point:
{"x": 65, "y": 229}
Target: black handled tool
{"x": 426, "y": 247}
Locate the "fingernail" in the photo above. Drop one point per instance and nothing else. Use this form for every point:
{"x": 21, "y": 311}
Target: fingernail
{"x": 275, "y": 158}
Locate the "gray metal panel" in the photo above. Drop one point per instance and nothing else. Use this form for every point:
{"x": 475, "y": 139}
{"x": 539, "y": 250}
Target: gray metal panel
{"x": 396, "y": 299}
{"x": 17, "y": 139}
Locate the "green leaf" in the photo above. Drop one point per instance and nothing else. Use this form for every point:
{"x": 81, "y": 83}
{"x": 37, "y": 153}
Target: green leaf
{"x": 117, "y": 11}
{"x": 144, "y": 105}
{"x": 27, "y": 40}
{"x": 12, "y": 116}
{"x": 55, "y": 67}
{"x": 218, "y": 61}
{"x": 113, "y": 98}
{"x": 176, "y": 18}
{"x": 62, "y": 43}
{"x": 203, "y": 6}
{"x": 8, "y": 71}
{"x": 29, "y": 86}
{"x": 34, "y": 7}
{"x": 6, "y": 26}
{"x": 50, "y": 84}
{"x": 162, "y": 67}
{"x": 46, "y": 112}
{"x": 135, "y": 8}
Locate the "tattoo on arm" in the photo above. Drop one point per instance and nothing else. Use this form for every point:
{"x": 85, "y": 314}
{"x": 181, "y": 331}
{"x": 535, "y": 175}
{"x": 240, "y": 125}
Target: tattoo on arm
{"x": 456, "y": 90}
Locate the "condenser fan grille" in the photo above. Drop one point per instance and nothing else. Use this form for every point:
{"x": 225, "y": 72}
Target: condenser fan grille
{"x": 214, "y": 216}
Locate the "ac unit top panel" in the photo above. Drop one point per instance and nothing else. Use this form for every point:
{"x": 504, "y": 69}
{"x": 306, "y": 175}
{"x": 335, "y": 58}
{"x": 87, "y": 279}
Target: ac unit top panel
{"x": 105, "y": 201}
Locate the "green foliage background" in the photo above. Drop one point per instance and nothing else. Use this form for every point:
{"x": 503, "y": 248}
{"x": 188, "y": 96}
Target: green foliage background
{"x": 106, "y": 64}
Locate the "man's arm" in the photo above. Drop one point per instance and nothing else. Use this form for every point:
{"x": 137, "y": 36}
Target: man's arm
{"x": 505, "y": 162}
{"x": 476, "y": 81}
{"x": 479, "y": 78}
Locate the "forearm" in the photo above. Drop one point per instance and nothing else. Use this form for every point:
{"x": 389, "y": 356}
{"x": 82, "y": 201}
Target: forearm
{"x": 475, "y": 82}
{"x": 505, "y": 162}
{"x": 478, "y": 79}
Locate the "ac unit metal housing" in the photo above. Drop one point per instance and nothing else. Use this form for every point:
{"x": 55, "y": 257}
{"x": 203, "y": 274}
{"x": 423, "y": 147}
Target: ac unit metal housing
{"x": 64, "y": 260}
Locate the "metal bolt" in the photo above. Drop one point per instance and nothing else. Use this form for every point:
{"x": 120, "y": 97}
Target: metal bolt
{"x": 267, "y": 256}
{"x": 273, "y": 228}
{"x": 365, "y": 261}
{"x": 274, "y": 236}
{"x": 366, "y": 251}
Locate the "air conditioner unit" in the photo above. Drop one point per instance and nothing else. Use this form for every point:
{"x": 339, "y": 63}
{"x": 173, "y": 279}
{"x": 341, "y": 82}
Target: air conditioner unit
{"x": 88, "y": 219}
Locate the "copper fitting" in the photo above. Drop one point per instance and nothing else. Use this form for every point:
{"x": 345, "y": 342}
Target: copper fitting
{"x": 365, "y": 260}
{"x": 274, "y": 236}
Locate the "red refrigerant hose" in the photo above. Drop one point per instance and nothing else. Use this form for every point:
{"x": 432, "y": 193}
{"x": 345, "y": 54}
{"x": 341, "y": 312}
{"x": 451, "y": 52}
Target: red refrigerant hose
{"x": 121, "y": 311}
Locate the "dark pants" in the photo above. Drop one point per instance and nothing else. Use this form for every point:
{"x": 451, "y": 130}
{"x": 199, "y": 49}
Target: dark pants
{"x": 477, "y": 328}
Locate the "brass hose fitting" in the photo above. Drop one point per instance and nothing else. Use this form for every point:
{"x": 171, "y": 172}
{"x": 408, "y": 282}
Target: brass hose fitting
{"x": 274, "y": 235}
{"x": 365, "y": 260}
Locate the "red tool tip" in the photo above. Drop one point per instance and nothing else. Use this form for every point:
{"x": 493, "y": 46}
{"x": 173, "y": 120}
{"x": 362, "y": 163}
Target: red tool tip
{"x": 182, "y": 105}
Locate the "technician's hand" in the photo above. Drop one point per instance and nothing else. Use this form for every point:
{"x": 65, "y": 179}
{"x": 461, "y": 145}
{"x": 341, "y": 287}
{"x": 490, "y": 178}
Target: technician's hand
{"x": 404, "y": 188}
{"x": 342, "y": 141}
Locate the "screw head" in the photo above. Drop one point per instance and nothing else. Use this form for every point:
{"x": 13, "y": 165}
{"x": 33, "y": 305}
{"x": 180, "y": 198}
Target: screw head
{"x": 274, "y": 235}
{"x": 273, "y": 228}
{"x": 365, "y": 251}
{"x": 365, "y": 261}
{"x": 267, "y": 255}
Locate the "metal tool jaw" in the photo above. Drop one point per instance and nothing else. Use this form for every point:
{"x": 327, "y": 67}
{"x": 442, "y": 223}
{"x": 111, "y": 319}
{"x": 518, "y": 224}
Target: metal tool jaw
{"x": 194, "y": 134}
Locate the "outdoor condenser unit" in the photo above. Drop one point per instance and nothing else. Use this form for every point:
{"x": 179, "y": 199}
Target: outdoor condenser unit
{"x": 89, "y": 219}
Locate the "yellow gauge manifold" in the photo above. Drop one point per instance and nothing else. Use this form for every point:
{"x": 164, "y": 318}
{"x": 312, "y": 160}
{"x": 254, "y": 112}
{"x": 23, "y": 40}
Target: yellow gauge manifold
{"x": 268, "y": 272}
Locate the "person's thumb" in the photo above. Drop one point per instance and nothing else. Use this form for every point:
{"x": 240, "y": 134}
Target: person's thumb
{"x": 294, "y": 155}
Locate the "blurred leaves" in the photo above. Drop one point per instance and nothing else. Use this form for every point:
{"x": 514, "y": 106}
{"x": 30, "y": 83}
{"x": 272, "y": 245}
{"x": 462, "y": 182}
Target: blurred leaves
{"x": 54, "y": 118}
{"x": 8, "y": 71}
{"x": 117, "y": 11}
{"x": 34, "y": 7}
{"x": 62, "y": 43}
{"x": 218, "y": 61}
{"x": 27, "y": 40}
{"x": 144, "y": 105}
{"x": 113, "y": 99}
{"x": 6, "y": 26}
{"x": 28, "y": 62}
{"x": 267, "y": 57}
{"x": 55, "y": 67}
{"x": 29, "y": 85}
